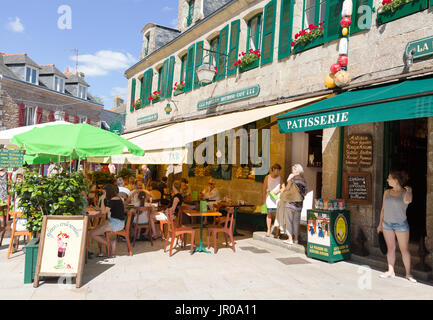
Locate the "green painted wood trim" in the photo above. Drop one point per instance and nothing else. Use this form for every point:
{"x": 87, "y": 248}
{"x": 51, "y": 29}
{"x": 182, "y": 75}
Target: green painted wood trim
{"x": 234, "y": 47}
{"x": 253, "y": 65}
{"x": 258, "y": 33}
{"x": 332, "y": 20}
{"x": 268, "y": 37}
{"x": 142, "y": 91}
{"x": 189, "y": 74}
{"x": 386, "y": 144}
{"x": 354, "y": 28}
{"x": 405, "y": 10}
{"x": 340, "y": 164}
{"x": 198, "y": 62}
{"x": 286, "y": 29}
{"x": 133, "y": 84}
{"x": 170, "y": 77}
{"x": 190, "y": 12}
{"x": 149, "y": 79}
{"x": 222, "y": 48}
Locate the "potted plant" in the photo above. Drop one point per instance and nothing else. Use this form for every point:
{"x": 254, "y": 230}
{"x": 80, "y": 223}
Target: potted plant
{"x": 308, "y": 39}
{"x": 102, "y": 177}
{"x": 137, "y": 103}
{"x": 247, "y": 59}
{"x": 154, "y": 97}
{"x": 179, "y": 88}
{"x": 125, "y": 173}
{"x": 59, "y": 194}
{"x": 394, "y": 9}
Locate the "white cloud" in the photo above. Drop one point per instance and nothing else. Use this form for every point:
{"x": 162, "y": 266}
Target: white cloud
{"x": 173, "y": 22}
{"x": 103, "y": 61}
{"x": 119, "y": 91}
{"x": 167, "y": 9}
{"x": 15, "y": 25}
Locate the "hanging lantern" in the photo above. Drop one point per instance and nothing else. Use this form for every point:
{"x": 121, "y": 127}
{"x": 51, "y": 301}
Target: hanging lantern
{"x": 342, "y": 46}
{"x": 343, "y": 60}
{"x": 344, "y": 31}
{"x": 342, "y": 78}
{"x": 345, "y": 22}
{"x": 206, "y": 73}
{"x": 335, "y": 68}
{"x": 329, "y": 81}
{"x": 346, "y": 10}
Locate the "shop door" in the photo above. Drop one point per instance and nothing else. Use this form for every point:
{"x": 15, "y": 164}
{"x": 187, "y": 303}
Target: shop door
{"x": 408, "y": 151}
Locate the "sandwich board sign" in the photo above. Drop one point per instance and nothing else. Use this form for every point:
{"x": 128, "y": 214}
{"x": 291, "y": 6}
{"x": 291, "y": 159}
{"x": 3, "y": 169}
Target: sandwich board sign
{"x": 62, "y": 248}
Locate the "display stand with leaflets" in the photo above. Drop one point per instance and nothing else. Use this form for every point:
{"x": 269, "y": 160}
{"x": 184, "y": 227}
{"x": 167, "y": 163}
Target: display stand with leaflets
{"x": 328, "y": 235}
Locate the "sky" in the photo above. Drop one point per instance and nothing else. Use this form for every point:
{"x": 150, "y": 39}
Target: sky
{"x": 107, "y": 34}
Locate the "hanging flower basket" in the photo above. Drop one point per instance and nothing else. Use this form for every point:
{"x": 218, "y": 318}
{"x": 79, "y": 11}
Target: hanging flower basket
{"x": 308, "y": 36}
{"x": 137, "y": 104}
{"x": 179, "y": 87}
{"x": 247, "y": 58}
{"x": 155, "y": 96}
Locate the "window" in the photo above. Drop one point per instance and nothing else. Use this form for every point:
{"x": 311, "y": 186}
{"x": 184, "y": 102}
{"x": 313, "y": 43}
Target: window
{"x": 234, "y": 47}
{"x": 30, "y": 116}
{"x": 286, "y": 21}
{"x": 189, "y": 68}
{"x": 82, "y": 119}
{"x": 268, "y": 32}
{"x": 198, "y": 62}
{"x": 82, "y": 92}
{"x": 146, "y": 52}
{"x": 31, "y": 75}
{"x": 213, "y": 55}
{"x": 190, "y": 13}
{"x": 183, "y": 67}
{"x": 133, "y": 85}
{"x": 160, "y": 71}
{"x": 314, "y": 12}
{"x": 222, "y": 58}
{"x": 254, "y": 39}
{"x": 59, "y": 84}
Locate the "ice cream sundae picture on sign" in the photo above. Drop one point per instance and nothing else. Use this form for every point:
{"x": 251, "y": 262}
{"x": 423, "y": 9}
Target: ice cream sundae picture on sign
{"x": 61, "y": 247}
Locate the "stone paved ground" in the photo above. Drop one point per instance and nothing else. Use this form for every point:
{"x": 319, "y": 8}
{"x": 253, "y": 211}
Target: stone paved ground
{"x": 254, "y": 272}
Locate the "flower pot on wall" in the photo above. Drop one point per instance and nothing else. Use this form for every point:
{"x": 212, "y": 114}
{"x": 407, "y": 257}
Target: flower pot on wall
{"x": 406, "y": 9}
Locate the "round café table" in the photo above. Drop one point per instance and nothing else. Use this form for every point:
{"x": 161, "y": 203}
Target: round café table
{"x": 196, "y": 213}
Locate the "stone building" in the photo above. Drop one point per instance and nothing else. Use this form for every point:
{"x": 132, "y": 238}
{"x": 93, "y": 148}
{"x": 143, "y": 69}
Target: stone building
{"x": 32, "y": 94}
{"x": 289, "y": 76}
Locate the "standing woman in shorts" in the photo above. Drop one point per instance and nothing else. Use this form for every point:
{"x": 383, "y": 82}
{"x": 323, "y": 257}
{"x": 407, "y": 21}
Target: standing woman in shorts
{"x": 393, "y": 221}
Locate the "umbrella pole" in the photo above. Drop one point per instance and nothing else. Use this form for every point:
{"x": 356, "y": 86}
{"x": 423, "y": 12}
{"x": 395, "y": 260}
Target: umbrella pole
{"x": 78, "y": 165}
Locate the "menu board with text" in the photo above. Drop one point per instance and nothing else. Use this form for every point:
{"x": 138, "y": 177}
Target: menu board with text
{"x": 357, "y": 187}
{"x": 11, "y": 158}
{"x": 358, "y": 151}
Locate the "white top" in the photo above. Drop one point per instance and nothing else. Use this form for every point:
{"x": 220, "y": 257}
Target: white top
{"x": 273, "y": 184}
{"x": 211, "y": 195}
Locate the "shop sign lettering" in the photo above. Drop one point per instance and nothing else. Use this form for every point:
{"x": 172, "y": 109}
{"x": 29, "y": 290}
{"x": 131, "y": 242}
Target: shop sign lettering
{"x": 149, "y": 118}
{"x": 420, "y": 48}
{"x": 338, "y": 118}
{"x": 229, "y": 97}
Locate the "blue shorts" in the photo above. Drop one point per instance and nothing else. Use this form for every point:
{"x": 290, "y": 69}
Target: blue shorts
{"x": 272, "y": 210}
{"x": 397, "y": 227}
{"x": 116, "y": 224}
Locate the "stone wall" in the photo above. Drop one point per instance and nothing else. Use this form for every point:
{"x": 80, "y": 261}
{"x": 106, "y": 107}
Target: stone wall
{"x": 374, "y": 53}
{"x": 429, "y": 208}
{"x": 12, "y": 94}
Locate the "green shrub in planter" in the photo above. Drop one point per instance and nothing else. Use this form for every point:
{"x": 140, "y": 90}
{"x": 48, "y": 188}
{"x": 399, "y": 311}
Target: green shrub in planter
{"x": 102, "y": 177}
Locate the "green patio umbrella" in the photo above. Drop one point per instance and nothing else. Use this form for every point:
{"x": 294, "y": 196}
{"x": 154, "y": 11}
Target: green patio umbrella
{"x": 74, "y": 141}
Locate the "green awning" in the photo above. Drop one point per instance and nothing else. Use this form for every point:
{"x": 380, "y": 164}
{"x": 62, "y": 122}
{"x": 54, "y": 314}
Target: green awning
{"x": 406, "y": 100}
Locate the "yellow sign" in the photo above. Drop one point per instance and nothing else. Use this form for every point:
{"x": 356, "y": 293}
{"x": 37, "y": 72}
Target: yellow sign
{"x": 340, "y": 231}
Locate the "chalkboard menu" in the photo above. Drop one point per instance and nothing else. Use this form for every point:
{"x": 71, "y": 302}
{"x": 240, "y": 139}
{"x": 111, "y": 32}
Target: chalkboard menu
{"x": 357, "y": 187}
{"x": 358, "y": 151}
{"x": 11, "y": 158}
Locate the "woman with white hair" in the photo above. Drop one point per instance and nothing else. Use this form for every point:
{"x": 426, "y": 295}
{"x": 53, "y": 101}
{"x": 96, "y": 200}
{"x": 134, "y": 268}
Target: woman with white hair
{"x": 293, "y": 210}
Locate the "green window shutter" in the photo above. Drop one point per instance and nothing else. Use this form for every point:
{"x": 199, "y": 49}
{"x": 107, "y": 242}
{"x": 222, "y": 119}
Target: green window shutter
{"x": 234, "y": 47}
{"x": 332, "y": 21}
{"x": 268, "y": 32}
{"x": 189, "y": 68}
{"x": 132, "y": 94}
{"x": 143, "y": 89}
{"x": 149, "y": 77}
{"x": 198, "y": 61}
{"x": 286, "y": 18}
{"x": 361, "y": 19}
{"x": 163, "y": 79}
{"x": 222, "y": 48}
{"x": 170, "y": 78}
{"x": 190, "y": 13}
{"x": 182, "y": 68}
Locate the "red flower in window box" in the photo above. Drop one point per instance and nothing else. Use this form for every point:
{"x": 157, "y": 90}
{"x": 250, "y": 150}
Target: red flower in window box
{"x": 247, "y": 59}
{"x": 303, "y": 37}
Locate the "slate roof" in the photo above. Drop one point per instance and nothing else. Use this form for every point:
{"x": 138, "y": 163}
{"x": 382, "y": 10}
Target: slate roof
{"x": 5, "y": 70}
{"x": 50, "y": 69}
{"x": 73, "y": 78}
{"x": 19, "y": 58}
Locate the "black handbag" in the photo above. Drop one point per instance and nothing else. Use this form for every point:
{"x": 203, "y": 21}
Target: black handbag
{"x": 382, "y": 243}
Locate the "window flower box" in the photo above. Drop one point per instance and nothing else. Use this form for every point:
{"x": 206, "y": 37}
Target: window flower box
{"x": 179, "y": 88}
{"x": 395, "y": 9}
{"x": 137, "y": 104}
{"x": 155, "y": 97}
{"x": 305, "y": 40}
{"x": 248, "y": 60}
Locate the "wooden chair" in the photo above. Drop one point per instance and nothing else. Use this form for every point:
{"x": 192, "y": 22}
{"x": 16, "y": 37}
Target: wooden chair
{"x": 174, "y": 232}
{"x": 124, "y": 233}
{"x": 227, "y": 229}
{"x": 139, "y": 226}
{"x": 16, "y": 233}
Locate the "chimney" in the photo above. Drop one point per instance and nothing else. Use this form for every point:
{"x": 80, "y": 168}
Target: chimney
{"x": 67, "y": 70}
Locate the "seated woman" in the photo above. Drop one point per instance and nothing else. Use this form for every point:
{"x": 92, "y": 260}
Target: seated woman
{"x": 112, "y": 205}
{"x": 173, "y": 207}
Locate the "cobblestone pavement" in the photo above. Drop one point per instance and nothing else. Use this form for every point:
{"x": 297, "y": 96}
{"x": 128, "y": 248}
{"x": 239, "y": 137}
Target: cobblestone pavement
{"x": 256, "y": 271}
